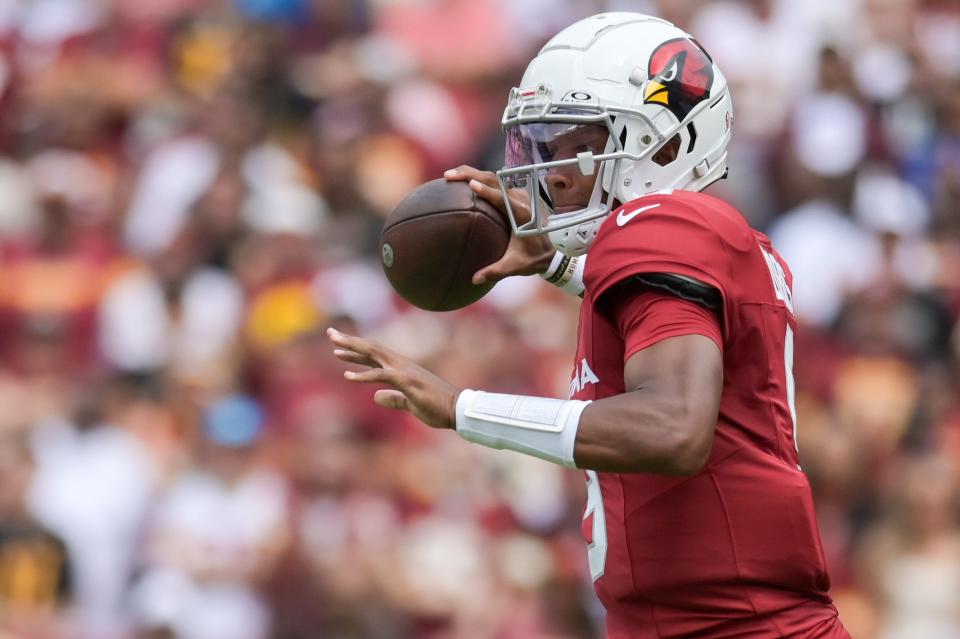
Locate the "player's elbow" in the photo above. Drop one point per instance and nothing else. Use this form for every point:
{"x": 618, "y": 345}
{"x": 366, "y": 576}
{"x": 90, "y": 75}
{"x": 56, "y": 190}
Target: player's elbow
{"x": 690, "y": 457}
{"x": 690, "y": 448}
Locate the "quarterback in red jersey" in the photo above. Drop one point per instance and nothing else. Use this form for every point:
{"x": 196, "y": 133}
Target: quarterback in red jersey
{"x": 699, "y": 520}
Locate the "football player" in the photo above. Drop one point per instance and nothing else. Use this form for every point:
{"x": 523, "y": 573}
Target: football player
{"x": 699, "y": 521}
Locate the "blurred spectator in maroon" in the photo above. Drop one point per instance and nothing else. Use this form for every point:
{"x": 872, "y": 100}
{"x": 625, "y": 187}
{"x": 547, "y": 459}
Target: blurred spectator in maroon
{"x": 51, "y": 286}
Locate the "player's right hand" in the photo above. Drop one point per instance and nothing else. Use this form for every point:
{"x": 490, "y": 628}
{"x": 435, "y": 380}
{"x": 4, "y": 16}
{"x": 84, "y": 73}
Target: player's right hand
{"x": 524, "y": 256}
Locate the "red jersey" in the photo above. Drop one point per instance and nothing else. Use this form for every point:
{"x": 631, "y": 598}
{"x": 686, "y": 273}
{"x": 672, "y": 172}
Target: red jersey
{"x": 732, "y": 551}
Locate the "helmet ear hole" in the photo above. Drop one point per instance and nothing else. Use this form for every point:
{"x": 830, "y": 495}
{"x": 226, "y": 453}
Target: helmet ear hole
{"x": 668, "y": 152}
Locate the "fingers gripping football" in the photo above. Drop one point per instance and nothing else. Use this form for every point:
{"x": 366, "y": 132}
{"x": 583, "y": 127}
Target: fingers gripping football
{"x": 487, "y": 185}
{"x": 468, "y": 173}
{"x": 414, "y": 388}
{"x": 524, "y": 256}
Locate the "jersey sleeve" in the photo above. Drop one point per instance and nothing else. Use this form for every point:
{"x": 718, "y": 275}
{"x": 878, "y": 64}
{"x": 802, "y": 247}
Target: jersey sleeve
{"x": 660, "y": 234}
{"x": 645, "y": 316}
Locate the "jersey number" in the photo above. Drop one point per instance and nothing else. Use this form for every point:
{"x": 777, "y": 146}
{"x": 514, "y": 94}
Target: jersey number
{"x": 783, "y": 293}
{"x": 597, "y": 548}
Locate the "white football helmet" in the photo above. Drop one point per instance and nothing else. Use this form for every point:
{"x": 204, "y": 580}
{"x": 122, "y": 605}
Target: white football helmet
{"x": 625, "y": 97}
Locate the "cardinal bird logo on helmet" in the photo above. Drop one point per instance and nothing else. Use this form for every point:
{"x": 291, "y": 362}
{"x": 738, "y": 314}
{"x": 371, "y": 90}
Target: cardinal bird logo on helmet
{"x": 681, "y": 74}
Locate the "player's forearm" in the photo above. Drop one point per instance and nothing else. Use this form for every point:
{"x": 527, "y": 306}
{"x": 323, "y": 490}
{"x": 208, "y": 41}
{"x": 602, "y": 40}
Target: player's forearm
{"x": 647, "y": 430}
{"x": 644, "y": 432}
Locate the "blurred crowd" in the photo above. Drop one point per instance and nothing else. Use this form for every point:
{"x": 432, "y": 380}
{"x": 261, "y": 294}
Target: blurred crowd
{"x": 191, "y": 191}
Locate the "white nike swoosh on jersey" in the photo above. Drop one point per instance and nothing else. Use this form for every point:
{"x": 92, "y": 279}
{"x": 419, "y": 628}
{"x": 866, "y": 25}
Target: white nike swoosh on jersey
{"x": 623, "y": 219}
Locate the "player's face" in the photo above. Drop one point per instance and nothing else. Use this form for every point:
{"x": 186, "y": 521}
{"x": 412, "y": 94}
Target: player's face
{"x": 569, "y": 189}
{"x": 542, "y": 142}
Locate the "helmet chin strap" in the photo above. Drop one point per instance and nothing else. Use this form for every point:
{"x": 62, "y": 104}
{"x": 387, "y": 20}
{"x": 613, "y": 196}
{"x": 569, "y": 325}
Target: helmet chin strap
{"x": 576, "y": 240}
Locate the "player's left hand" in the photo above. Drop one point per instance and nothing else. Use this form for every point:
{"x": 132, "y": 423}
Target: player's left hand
{"x": 415, "y": 389}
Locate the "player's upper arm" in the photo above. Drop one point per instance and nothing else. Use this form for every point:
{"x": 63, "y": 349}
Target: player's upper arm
{"x": 673, "y": 357}
{"x": 650, "y": 307}
{"x": 686, "y": 374}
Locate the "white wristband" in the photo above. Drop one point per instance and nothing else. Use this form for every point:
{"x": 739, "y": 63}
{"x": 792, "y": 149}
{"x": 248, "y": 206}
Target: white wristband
{"x": 538, "y": 426}
{"x": 566, "y": 273}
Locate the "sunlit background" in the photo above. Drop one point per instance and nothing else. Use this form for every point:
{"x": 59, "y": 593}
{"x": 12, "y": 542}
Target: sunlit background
{"x": 192, "y": 190}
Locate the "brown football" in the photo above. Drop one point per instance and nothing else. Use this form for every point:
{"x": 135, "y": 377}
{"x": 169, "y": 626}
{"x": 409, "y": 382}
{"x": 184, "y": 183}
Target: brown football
{"x": 435, "y": 239}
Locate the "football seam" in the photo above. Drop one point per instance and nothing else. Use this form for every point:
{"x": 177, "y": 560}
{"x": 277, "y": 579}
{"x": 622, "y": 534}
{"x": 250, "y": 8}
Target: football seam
{"x": 472, "y": 209}
{"x": 475, "y": 215}
{"x": 455, "y": 271}
{"x": 417, "y": 217}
